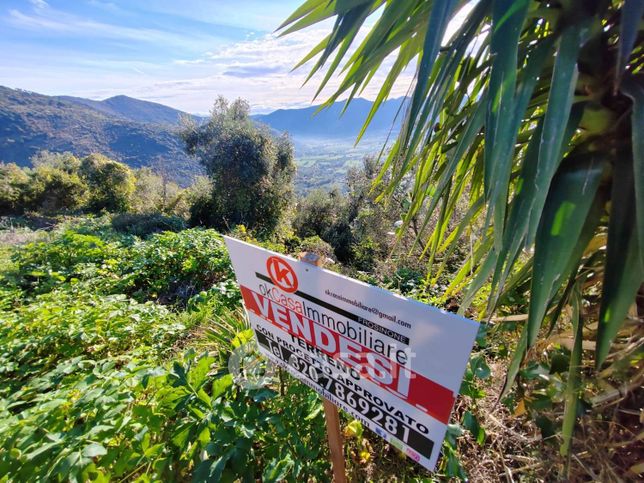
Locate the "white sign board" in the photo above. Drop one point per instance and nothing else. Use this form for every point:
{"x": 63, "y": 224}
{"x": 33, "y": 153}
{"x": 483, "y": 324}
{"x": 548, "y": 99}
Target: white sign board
{"x": 394, "y": 364}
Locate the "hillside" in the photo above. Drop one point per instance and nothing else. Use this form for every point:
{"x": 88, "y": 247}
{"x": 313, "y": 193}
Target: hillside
{"x": 142, "y": 133}
{"x": 332, "y": 123}
{"x": 31, "y": 122}
{"x": 325, "y": 141}
{"x": 131, "y": 109}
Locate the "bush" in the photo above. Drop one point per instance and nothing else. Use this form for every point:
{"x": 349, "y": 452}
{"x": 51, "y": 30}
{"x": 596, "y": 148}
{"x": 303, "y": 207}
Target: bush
{"x": 111, "y": 184}
{"x": 92, "y": 387}
{"x": 143, "y": 225}
{"x": 13, "y": 187}
{"x": 64, "y": 324}
{"x": 52, "y": 190}
{"x": 172, "y": 267}
{"x": 167, "y": 267}
{"x": 155, "y": 193}
{"x": 97, "y": 420}
{"x": 356, "y": 225}
{"x": 62, "y": 161}
{"x": 202, "y": 209}
{"x": 61, "y": 183}
{"x": 315, "y": 244}
{"x": 317, "y": 213}
{"x": 66, "y": 257}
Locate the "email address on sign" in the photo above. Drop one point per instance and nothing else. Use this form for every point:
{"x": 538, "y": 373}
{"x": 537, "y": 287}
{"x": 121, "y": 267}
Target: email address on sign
{"x": 373, "y": 310}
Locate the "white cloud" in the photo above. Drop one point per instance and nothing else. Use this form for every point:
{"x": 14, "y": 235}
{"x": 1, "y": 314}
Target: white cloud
{"x": 260, "y": 70}
{"x": 269, "y": 50}
{"x": 39, "y": 4}
{"x": 72, "y": 25}
{"x": 257, "y": 69}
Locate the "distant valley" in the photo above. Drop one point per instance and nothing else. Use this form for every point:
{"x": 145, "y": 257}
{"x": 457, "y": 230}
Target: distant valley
{"x": 332, "y": 123}
{"x": 142, "y": 133}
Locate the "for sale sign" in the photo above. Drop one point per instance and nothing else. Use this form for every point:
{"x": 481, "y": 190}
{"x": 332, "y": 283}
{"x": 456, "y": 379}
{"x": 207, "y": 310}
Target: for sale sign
{"x": 394, "y": 364}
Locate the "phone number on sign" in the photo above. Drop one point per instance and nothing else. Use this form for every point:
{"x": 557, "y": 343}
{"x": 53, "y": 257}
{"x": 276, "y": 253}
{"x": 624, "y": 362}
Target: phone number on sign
{"x": 368, "y": 410}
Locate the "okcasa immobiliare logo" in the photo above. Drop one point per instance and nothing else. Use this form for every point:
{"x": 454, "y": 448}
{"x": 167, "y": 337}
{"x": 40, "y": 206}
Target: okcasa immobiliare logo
{"x": 281, "y": 274}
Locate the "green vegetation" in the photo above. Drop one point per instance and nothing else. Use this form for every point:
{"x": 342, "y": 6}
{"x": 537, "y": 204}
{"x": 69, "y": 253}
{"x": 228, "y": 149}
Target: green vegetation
{"x": 115, "y": 367}
{"x": 131, "y": 293}
{"x": 111, "y": 184}
{"x": 324, "y": 163}
{"x": 251, "y": 171}
{"x": 145, "y": 134}
{"x": 511, "y": 195}
{"x": 63, "y": 184}
{"x": 359, "y": 229}
{"x": 95, "y": 381}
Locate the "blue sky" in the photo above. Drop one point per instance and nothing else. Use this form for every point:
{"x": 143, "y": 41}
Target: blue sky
{"x": 182, "y": 53}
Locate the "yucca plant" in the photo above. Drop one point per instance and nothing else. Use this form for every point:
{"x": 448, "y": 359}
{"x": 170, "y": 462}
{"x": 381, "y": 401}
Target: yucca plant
{"x": 534, "y": 111}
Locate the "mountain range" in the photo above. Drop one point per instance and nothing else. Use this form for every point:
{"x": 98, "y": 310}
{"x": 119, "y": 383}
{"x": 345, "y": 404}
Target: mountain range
{"x": 31, "y": 122}
{"x": 131, "y": 109}
{"x": 142, "y": 133}
{"x": 331, "y": 123}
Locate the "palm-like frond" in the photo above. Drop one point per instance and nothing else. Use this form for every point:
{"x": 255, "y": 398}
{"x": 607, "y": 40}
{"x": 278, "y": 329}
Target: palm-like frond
{"x": 532, "y": 109}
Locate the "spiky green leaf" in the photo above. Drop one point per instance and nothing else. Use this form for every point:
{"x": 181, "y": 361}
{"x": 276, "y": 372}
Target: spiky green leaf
{"x": 565, "y": 213}
{"x": 623, "y": 274}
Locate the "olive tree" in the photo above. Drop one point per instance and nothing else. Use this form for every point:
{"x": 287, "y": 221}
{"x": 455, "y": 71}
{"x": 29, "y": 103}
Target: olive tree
{"x": 251, "y": 170}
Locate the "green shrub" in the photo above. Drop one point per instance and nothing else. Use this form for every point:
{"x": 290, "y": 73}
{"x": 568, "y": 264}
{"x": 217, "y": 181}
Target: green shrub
{"x": 60, "y": 183}
{"x": 83, "y": 423}
{"x": 67, "y": 323}
{"x": 111, "y": 184}
{"x": 223, "y": 294}
{"x": 154, "y": 192}
{"x": 93, "y": 387}
{"x": 174, "y": 266}
{"x": 52, "y": 190}
{"x": 70, "y": 256}
{"x": 145, "y": 224}
{"x": 315, "y": 244}
{"x": 119, "y": 418}
{"x": 13, "y": 187}
{"x": 167, "y": 267}
{"x": 317, "y": 213}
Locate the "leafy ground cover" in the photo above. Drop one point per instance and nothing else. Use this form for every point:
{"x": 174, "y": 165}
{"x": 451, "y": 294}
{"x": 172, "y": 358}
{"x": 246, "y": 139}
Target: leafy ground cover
{"x": 114, "y": 367}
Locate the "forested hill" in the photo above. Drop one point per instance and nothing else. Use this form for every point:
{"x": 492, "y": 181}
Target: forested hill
{"x": 332, "y": 122}
{"x": 131, "y": 109}
{"x": 135, "y": 132}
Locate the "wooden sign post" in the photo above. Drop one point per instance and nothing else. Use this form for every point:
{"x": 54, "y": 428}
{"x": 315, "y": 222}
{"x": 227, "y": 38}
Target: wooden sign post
{"x": 331, "y": 414}
{"x": 332, "y": 417}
